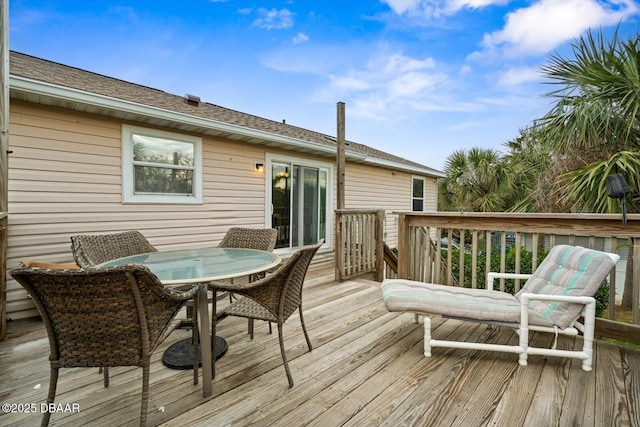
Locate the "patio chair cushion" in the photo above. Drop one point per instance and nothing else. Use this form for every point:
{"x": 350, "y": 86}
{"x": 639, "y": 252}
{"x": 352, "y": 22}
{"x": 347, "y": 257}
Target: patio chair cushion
{"x": 481, "y": 304}
{"x": 566, "y": 270}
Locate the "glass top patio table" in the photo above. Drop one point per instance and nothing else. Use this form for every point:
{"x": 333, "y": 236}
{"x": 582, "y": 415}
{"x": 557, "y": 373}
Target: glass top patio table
{"x": 192, "y": 266}
{"x": 183, "y": 266}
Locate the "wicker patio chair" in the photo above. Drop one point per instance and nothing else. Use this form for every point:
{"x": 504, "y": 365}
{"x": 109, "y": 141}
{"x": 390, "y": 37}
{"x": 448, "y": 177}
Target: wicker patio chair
{"x": 262, "y": 239}
{"x": 107, "y": 317}
{"x": 273, "y": 298}
{"x": 90, "y": 250}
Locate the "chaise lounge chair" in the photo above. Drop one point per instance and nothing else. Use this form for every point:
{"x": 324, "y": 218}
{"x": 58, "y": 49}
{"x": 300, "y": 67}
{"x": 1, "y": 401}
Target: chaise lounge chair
{"x": 553, "y": 299}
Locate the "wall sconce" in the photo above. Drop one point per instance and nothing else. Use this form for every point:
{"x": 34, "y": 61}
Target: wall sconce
{"x": 258, "y": 167}
{"x": 617, "y": 188}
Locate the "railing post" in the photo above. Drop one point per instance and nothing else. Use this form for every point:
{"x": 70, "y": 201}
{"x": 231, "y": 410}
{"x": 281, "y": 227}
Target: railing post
{"x": 636, "y": 280}
{"x": 3, "y": 274}
{"x": 403, "y": 249}
{"x": 339, "y": 250}
{"x": 380, "y": 245}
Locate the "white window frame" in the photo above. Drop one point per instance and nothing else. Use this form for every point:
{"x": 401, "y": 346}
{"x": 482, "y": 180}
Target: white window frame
{"x": 277, "y": 158}
{"x": 128, "y": 191}
{"x": 424, "y": 192}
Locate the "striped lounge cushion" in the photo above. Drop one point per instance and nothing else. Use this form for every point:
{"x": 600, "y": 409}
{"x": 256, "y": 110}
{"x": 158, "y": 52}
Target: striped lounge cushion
{"x": 567, "y": 270}
{"x": 478, "y": 304}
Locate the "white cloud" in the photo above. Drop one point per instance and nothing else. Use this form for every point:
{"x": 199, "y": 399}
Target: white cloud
{"x": 300, "y": 38}
{"x": 519, "y": 75}
{"x": 399, "y": 64}
{"x": 274, "y": 19}
{"x": 453, "y": 6}
{"x": 436, "y": 8}
{"x": 465, "y": 69}
{"x": 299, "y": 59}
{"x": 349, "y": 83}
{"x": 402, "y": 6}
{"x": 543, "y": 26}
{"x": 389, "y": 85}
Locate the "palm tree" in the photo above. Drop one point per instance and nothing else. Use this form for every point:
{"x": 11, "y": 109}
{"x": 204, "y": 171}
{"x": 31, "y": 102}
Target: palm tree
{"x": 529, "y": 159}
{"x": 598, "y": 107}
{"x": 596, "y": 122}
{"x": 476, "y": 180}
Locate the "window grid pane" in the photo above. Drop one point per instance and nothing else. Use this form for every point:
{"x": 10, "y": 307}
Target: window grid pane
{"x": 417, "y": 199}
{"x": 149, "y": 180}
{"x": 162, "y": 151}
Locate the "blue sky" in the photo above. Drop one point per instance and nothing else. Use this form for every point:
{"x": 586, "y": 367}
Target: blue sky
{"x": 420, "y": 78}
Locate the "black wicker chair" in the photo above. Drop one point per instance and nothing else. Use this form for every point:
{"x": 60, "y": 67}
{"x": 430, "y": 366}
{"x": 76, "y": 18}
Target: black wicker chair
{"x": 273, "y": 298}
{"x": 102, "y": 318}
{"x": 90, "y": 250}
{"x": 262, "y": 239}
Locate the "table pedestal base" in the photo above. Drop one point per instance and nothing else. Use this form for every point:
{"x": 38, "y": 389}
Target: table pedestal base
{"x": 180, "y": 354}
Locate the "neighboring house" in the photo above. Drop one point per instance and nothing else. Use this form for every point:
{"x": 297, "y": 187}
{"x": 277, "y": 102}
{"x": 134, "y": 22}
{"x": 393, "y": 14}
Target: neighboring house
{"x": 77, "y": 137}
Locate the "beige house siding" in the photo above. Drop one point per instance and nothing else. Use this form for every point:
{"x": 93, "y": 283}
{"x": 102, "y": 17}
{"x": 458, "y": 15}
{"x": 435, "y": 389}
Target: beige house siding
{"x": 65, "y": 178}
{"x": 377, "y": 188}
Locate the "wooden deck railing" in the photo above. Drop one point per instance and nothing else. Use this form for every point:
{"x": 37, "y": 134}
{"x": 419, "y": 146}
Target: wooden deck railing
{"x": 359, "y": 243}
{"x": 3, "y": 275}
{"x": 390, "y": 263}
{"x": 359, "y": 234}
{"x": 421, "y": 256}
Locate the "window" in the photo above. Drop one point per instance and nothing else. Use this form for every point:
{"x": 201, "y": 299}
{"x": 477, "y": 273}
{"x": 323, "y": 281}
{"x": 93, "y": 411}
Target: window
{"x": 417, "y": 194}
{"x": 161, "y": 167}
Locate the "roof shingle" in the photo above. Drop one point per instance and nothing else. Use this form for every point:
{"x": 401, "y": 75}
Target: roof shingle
{"x": 50, "y": 72}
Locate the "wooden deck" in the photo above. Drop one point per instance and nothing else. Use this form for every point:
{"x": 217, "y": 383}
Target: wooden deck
{"x": 366, "y": 368}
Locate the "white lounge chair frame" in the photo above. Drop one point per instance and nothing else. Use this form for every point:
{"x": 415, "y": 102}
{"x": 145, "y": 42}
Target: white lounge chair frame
{"x": 523, "y": 349}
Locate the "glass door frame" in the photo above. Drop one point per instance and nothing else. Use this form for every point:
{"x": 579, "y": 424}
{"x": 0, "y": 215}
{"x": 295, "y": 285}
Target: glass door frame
{"x": 285, "y": 159}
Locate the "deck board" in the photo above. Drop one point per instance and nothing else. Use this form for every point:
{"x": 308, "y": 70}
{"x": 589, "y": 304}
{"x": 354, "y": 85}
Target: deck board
{"x": 611, "y": 405}
{"x": 366, "y": 368}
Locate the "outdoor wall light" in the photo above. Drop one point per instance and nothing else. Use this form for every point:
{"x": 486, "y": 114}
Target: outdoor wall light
{"x": 617, "y": 188}
{"x": 259, "y": 167}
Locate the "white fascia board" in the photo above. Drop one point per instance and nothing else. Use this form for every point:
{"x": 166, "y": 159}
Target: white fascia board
{"x": 83, "y": 97}
{"x": 401, "y": 166}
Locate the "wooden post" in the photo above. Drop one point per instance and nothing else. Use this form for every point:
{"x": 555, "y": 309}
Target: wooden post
{"x": 403, "y": 247}
{"x": 4, "y": 168}
{"x": 340, "y": 160}
{"x": 380, "y": 245}
{"x": 341, "y": 155}
{"x": 635, "y": 241}
{"x": 339, "y": 248}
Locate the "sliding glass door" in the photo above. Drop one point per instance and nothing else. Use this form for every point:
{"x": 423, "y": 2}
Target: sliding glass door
{"x": 299, "y": 202}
